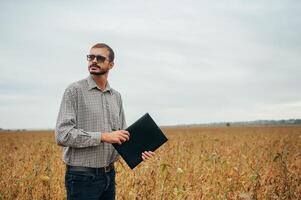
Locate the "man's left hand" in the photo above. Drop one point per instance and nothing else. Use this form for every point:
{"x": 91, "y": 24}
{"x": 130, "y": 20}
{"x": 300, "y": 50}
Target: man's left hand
{"x": 146, "y": 155}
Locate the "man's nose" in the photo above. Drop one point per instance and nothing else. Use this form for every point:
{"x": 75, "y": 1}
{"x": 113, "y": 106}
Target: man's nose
{"x": 94, "y": 60}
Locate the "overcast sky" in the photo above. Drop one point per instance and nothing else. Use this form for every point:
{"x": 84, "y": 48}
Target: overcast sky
{"x": 181, "y": 61}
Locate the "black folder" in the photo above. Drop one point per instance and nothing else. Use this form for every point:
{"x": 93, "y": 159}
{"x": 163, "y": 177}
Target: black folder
{"x": 145, "y": 135}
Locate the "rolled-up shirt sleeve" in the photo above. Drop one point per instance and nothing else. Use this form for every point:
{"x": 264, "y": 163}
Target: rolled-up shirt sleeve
{"x": 66, "y": 132}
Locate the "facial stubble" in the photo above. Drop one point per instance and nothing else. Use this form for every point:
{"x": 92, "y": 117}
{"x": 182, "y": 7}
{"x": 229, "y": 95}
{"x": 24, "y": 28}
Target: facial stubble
{"x": 97, "y": 73}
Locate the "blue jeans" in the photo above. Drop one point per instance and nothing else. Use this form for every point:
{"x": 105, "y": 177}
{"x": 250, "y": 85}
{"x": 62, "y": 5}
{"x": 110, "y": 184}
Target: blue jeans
{"x": 88, "y": 185}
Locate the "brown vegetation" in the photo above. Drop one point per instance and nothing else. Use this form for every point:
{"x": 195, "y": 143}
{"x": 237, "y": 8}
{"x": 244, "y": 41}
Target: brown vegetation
{"x": 196, "y": 163}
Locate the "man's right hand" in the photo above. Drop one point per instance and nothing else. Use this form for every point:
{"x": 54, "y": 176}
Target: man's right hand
{"x": 119, "y": 137}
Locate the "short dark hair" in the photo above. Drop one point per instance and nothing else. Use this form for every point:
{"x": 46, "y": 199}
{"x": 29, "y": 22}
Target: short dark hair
{"x": 103, "y": 45}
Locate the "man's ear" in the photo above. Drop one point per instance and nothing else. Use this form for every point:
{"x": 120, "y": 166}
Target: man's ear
{"x": 111, "y": 65}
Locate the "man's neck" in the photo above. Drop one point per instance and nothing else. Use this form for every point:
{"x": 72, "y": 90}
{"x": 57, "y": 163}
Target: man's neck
{"x": 101, "y": 81}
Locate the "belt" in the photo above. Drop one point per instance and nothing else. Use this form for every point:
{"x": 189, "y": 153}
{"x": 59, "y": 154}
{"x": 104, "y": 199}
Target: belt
{"x": 90, "y": 169}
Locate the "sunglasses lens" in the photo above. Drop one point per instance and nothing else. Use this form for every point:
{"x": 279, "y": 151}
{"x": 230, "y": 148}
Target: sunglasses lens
{"x": 90, "y": 57}
{"x": 100, "y": 58}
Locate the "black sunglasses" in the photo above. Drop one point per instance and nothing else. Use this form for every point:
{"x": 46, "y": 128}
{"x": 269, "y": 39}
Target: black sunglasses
{"x": 99, "y": 58}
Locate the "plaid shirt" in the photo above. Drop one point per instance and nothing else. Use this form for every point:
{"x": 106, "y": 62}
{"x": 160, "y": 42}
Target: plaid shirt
{"x": 85, "y": 113}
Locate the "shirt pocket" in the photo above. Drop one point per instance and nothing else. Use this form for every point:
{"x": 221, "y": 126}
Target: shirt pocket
{"x": 114, "y": 111}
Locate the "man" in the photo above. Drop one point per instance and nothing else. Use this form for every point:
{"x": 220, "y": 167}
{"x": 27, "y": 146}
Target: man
{"x": 91, "y": 118}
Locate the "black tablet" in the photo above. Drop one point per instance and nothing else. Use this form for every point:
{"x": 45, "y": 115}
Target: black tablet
{"x": 145, "y": 135}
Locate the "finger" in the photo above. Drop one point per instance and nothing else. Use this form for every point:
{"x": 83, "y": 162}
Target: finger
{"x": 145, "y": 153}
{"x": 127, "y": 137}
{"x": 116, "y": 141}
{"x": 122, "y": 140}
{"x": 146, "y": 156}
{"x": 152, "y": 153}
{"x": 143, "y": 157}
{"x": 125, "y": 132}
{"x": 124, "y": 137}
